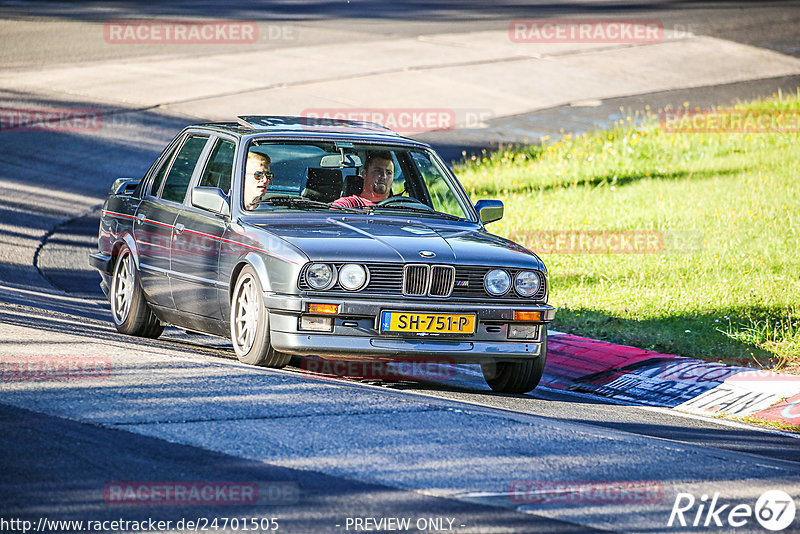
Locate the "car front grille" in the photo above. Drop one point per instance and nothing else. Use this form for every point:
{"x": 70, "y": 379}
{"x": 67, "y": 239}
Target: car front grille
{"x": 442, "y": 279}
{"x": 415, "y": 280}
{"x": 428, "y": 280}
{"x": 422, "y": 280}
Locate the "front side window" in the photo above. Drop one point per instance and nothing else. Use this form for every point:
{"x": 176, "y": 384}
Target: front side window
{"x": 162, "y": 171}
{"x": 219, "y": 168}
{"x": 180, "y": 174}
{"x": 441, "y": 191}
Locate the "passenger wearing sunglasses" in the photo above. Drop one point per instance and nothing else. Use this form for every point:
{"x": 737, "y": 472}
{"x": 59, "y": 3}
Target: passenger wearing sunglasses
{"x": 256, "y": 178}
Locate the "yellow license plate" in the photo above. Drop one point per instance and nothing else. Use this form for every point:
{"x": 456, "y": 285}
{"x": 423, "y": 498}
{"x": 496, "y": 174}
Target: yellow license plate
{"x": 434, "y": 323}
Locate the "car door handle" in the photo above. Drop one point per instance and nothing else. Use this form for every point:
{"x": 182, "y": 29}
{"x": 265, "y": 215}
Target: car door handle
{"x": 140, "y": 218}
{"x": 179, "y": 228}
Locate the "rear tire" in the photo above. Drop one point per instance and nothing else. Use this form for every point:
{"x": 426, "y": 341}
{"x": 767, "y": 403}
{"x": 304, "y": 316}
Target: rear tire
{"x": 516, "y": 377}
{"x": 129, "y": 309}
{"x": 250, "y": 324}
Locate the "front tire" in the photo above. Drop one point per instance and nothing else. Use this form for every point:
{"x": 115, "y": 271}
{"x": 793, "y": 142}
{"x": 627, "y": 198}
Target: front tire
{"x": 516, "y": 377}
{"x": 129, "y": 309}
{"x": 250, "y": 324}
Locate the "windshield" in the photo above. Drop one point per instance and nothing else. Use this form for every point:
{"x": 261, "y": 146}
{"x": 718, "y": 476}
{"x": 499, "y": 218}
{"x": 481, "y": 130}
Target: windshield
{"x": 350, "y": 177}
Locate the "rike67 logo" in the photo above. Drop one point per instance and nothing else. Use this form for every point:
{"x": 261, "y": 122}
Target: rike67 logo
{"x": 775, "y": 510}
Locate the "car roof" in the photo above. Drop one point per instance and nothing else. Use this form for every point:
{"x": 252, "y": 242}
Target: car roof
{"x": 309, "y": 128}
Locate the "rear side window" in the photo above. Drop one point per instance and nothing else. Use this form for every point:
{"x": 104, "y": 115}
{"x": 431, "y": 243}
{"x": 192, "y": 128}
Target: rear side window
{"x": 177, "y": 182}
{"x": 220, "y": 166}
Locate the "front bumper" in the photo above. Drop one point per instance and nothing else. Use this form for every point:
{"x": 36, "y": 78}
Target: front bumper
{"x": 358, "y": 347}
{"x": 356, "y": 335}
{"x": 103, "y": 263}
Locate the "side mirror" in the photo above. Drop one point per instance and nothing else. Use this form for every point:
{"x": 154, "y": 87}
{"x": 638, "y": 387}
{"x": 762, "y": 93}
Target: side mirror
{"x": 489, "y": 210}
{"x": 124, "y": 186}
{"x": 211, "y": 199}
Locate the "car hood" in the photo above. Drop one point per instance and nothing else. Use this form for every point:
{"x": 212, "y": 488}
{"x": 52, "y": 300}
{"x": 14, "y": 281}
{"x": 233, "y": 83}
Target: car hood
{"x": 373, "y": 239}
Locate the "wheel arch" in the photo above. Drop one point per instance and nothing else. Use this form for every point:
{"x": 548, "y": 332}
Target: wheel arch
{"x": 130, "y": 242}
{"x": 255, "y": 261}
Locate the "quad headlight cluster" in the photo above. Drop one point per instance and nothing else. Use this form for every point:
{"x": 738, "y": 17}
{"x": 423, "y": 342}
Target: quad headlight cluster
{"x": 354, "y": 277}
{"x": 497, "y": 282}
{"x": 351, "y": 276}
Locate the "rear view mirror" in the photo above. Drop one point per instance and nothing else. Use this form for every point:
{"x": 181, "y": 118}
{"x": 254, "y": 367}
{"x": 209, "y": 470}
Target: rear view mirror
{"x": 340, "y": 161}
{"x": 211, "y": 199}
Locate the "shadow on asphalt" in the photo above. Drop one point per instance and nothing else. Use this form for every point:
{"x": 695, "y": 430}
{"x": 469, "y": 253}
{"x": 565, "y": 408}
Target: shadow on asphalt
{"x": 737, "y": 439}
{"x": 76, "y": 484}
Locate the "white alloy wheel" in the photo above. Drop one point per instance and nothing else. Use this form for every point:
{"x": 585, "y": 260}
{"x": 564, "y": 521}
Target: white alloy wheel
{"x": 247, "y": 308}
{"x": 122, "y": 288}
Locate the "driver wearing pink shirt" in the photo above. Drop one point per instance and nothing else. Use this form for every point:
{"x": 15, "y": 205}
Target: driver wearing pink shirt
{"x": 378, "y": 173}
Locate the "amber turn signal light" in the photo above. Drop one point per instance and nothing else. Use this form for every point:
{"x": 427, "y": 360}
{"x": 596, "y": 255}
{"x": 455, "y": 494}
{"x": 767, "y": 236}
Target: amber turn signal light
{"x": 527, "y": 316}
{"x": 324, "y": 309}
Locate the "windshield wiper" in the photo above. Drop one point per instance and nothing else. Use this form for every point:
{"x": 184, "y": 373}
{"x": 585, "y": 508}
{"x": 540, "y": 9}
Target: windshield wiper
{"x": 303, "y": 202}
{"x": 429, "y": 211}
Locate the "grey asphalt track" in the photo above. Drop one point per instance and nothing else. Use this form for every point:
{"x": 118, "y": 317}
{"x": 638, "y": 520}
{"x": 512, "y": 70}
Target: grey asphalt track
{"x": 182, "y": 408}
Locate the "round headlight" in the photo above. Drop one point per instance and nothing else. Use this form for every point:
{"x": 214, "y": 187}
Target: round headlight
{"x": 526, "y": 283}
{"x": 352, "y": 277}
{"x": 497, "y": 282}
{"x": 319, "y": 276}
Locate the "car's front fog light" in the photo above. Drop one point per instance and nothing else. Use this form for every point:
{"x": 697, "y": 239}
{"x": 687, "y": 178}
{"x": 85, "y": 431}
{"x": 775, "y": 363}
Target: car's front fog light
{"x": 316, "y": 324}
{"x": 352, "y": 277}
{"x": 320, "y": 276}
{"x": 523, "y": 331}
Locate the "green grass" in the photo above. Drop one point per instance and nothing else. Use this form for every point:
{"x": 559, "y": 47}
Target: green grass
{"x": 774, "y": 425}
{"x": 727, "y": 285}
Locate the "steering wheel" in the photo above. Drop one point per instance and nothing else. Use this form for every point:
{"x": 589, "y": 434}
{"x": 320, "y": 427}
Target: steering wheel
{"x": 400, "y": 200}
